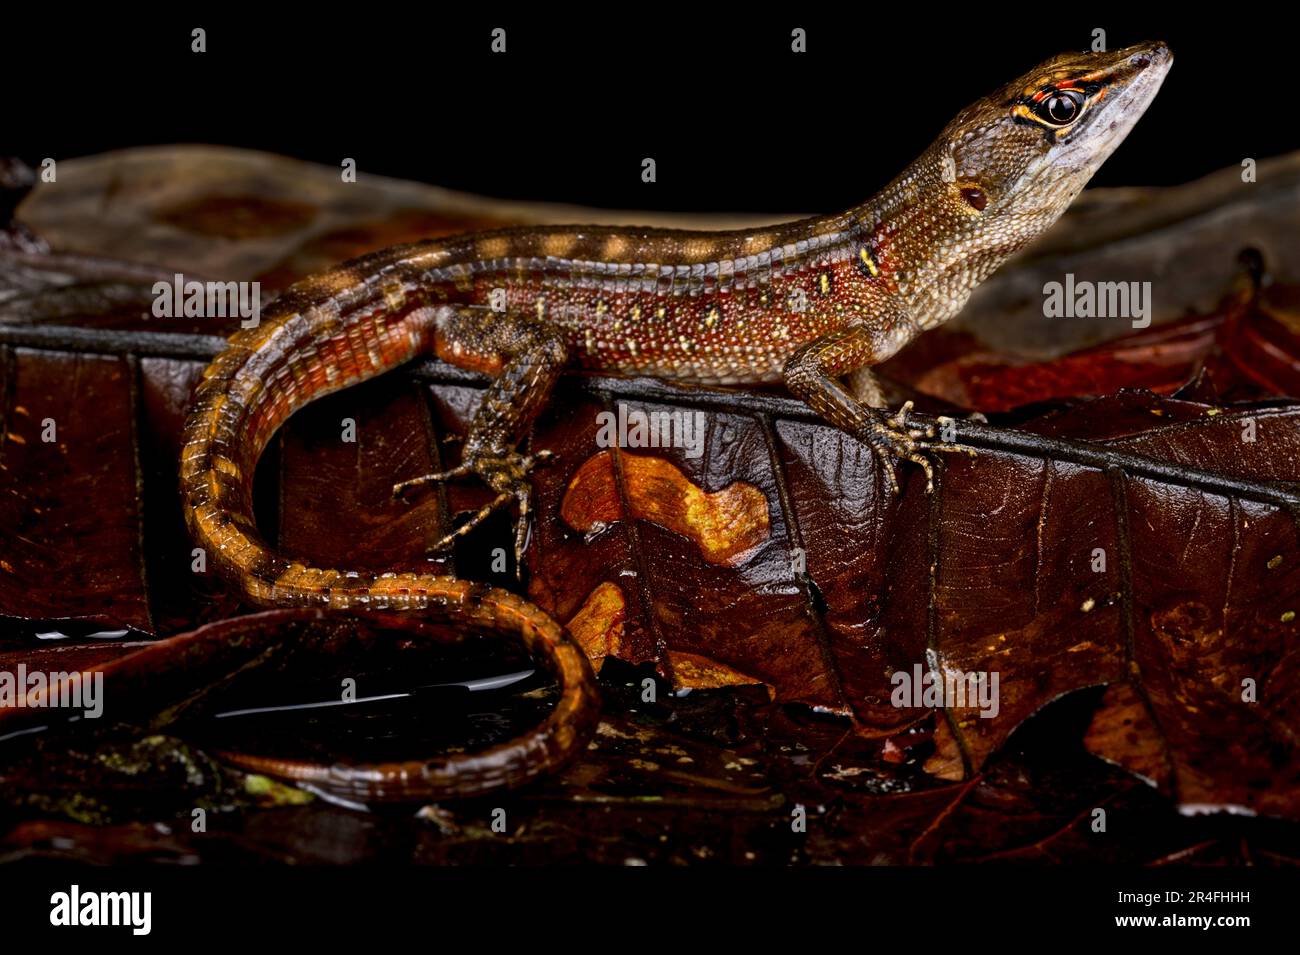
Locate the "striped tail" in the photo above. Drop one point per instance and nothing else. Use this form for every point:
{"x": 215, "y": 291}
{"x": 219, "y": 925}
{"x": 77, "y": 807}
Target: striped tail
{"x": 325, "y": 334}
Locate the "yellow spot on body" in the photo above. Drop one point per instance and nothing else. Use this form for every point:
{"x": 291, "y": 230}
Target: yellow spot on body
{"x": 712, "y": 317}
{"x": 1088, "y": 605}
{"x": 541, "y": 307}
{"x": 16, "y": 438}
{"x": 824, "y": 283}
{"x": 661, "y": 312}
{"x": 1275, "y": 562}
{"x": 1288, "y": 616}
{"x": 865, "y": 255}
{"x": 394, "y": 296}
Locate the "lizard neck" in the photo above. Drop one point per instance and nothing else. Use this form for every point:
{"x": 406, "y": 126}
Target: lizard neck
{"x": 941, "y": 246}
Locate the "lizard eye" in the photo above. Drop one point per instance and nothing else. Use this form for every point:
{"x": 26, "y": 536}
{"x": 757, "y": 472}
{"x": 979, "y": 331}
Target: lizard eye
{"x": 1061, "y": 107}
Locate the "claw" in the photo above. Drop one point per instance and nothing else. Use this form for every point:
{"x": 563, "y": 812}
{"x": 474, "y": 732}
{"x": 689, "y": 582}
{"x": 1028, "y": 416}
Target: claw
{"x": 891, "y": 476}
{"x": 927, "y": 467}
{"x": 506, "y": 472}
{"x": 479, "y": 517}
{"x": 940, "y": 446}
{"x": 401, "y": 487}
{"x": 524, "y": 496}
{"x": 898, "y": 422}
{"x": 893, "y": 438}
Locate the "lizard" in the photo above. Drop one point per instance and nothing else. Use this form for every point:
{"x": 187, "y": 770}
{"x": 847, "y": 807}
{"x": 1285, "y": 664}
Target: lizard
{"x": 813, "y": 303}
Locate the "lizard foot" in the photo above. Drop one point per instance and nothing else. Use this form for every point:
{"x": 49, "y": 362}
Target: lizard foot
{"x": 894, "y": 438}
{"x": 504, "y": 471}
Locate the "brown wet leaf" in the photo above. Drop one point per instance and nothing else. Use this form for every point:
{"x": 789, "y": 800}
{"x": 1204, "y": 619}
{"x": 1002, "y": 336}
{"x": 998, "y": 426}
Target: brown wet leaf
{"x": 725, "y": 525}
{"x": 598, "y": 624}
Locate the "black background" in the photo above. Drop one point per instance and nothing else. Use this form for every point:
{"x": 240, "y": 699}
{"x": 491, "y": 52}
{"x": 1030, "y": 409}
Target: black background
{"x": 733, "y": 118}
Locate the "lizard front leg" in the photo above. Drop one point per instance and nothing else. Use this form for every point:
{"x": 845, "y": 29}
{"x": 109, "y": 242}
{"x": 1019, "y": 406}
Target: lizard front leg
{"x": 812, "y": 374}
{"x": 530, "y": 356}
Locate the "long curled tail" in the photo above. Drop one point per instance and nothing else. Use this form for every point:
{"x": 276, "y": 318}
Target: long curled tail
{"x": 328, "y": 333}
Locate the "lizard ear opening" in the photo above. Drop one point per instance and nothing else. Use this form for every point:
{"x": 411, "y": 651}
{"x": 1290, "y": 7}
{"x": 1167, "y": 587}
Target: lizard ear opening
{"x": 974, "y": 195}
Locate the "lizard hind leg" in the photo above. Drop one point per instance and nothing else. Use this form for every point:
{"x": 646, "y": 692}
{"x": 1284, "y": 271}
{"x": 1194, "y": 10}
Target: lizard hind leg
{"x": 528, "y": 357}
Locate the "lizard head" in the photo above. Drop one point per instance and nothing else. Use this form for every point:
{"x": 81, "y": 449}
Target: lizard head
{"x": 1021, "y": 155}
{"x": 1008, "y": 165}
